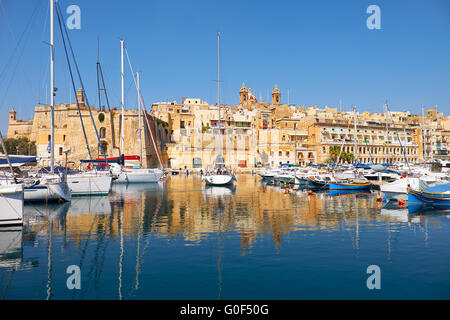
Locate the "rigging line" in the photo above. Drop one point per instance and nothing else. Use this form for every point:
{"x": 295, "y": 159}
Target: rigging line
{"x": 40, "y": 56}
{"x": 145, "y": 110}
{"x": 58, "y": 9}
{"x": 24, "y": 34}
{"x": 398, "y": 137}
{"x": 113, "y": 136}
{"x": 73, "y": 86}
{"x": 12, "y": 34}
{"x": 18, "y": 63}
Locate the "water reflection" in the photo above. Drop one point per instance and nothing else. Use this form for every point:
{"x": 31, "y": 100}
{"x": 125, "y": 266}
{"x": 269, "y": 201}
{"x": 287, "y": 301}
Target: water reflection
{"x": 117, "y": 239}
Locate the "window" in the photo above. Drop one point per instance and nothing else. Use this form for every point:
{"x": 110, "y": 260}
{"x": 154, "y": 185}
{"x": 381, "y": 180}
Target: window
{"x": 60, "y": 151}
{"x": 287, "y": 154}
{"x": 102, "y": 133}
{"x": 64, "y": 138}
{"x": 49, "y": 137}
{"x": 182, "y": 124}
{"x": 280, "y": 153}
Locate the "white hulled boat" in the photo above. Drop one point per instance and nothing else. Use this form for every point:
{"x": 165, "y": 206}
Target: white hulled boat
{"x": 89, "y": 183}
{"x": 48, "y": 186}
{"x": 134, "y": 174}
{"x": 399, "y": 189}
{"x": 11, "y": 203}
{"x": 11, "y": 196}
{"x": 221, "y": 176}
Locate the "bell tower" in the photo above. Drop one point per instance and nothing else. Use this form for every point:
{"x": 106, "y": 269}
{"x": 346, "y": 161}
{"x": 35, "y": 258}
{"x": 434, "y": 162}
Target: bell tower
{"x": 243, "y": 94}
{"x": 12, "y": 115}
{"x": 276, "y": 96}
{"x": 80, "y": 97}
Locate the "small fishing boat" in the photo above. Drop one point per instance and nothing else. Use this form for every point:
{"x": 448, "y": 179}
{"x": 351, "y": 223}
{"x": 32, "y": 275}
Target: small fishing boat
{"x": 437, "y": 197}
{"x": 353, "y": 184}
{"x": 319, "y": 181}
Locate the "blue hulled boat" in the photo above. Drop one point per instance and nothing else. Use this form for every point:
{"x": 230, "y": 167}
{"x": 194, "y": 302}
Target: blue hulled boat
{"x": 437, "y": 197}
{"x": 350, "y": 185}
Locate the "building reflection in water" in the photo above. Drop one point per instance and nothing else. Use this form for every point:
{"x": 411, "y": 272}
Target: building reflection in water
{"x": 182, "y": 208}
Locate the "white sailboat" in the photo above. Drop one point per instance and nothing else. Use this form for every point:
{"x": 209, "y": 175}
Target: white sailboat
{"x": 133, "y": 175}
{"x": 89, "y": 183}
{"x": 49, "y": 186}
{"x": 221, "y": 175}
{"x": 11, "y": 197}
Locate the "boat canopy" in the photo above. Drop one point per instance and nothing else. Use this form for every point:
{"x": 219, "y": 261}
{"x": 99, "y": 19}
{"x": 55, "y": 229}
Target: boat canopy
{"x": 120, "y": 160}
{"x": 58, "y": 169}
{"x": 17, "y": 161}
{"x": 289, "y": 165}
{"x": 441, "y": 188}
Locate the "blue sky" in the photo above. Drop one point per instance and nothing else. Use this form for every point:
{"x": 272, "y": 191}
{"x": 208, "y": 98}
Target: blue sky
{"x": 319, "y": 51}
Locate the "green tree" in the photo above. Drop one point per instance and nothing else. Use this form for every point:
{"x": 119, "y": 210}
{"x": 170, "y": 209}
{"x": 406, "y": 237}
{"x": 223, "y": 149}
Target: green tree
{"x": 334, "y": 152}
{"x": 347, "y": 157}
{"x": 20, "y": 146}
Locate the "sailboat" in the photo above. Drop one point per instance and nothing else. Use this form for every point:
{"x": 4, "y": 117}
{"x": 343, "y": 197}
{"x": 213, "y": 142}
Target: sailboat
{"x": 221, "y": 176}
{"x": 132, "y": 174}
{"x": 49, "y": 186}
{"x": 356, "y": 183}
{"x": 11, "y": 196}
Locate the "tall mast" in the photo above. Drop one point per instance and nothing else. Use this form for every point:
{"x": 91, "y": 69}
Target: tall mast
{"x": 423, "y": 133}
{"x": 52, "y": 93}
{"x": 140, "y": 121}
{"x": 122, "y": 146}
{"x": 356, "y": 138}
{"x": 218, "y": 91}
{"x": 387, "y": 127}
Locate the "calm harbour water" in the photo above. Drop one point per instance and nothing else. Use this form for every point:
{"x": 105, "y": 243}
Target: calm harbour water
{"x": 179, "y": 240}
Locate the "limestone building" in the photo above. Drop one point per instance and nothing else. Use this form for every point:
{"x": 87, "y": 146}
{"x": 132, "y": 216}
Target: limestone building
{"x": 69, "y": 133}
